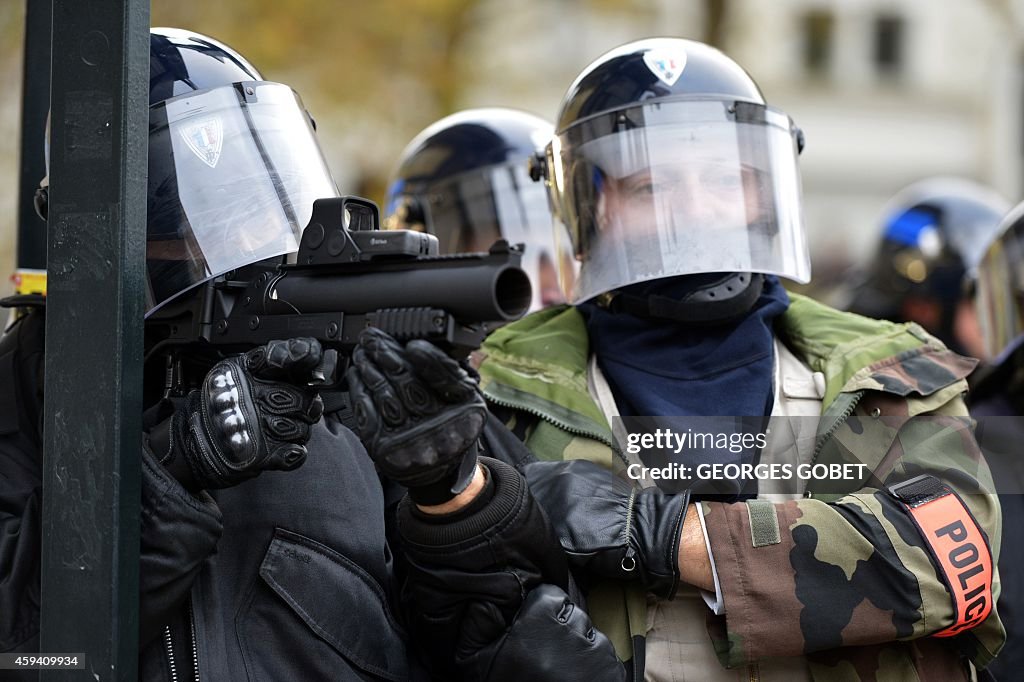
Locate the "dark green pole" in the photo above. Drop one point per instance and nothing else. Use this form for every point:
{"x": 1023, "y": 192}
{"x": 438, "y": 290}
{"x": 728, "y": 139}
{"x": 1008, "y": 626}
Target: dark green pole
{"x": 94, "y": 320}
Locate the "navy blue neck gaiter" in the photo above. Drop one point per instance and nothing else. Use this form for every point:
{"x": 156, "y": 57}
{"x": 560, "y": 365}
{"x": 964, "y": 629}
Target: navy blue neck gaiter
{"x": 666, "y": 368}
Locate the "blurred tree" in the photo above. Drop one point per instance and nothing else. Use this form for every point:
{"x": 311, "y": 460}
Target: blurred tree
{"x": 380, "y": 65}
{"x": 12, "y": 25}
{"x": 715, "y": 18}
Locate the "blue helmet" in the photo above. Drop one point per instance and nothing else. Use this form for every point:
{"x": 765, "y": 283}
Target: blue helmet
{"x": 933, "y": 236}
{"x": 465, "y": 179}
{"x": 182, "y": 61}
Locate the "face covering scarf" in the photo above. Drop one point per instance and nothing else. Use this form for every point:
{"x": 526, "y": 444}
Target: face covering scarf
{"x": 667, "y": 368}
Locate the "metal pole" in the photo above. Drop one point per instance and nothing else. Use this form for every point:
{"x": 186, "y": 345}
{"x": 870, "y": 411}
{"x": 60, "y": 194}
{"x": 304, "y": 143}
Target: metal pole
{"x": 35, "y": 101}
{"x": 93, "y": 383}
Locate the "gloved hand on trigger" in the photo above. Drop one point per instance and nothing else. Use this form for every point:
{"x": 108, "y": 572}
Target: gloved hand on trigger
{"x": 610, "y": 528}
{"x": 253, "y": 412}
{"x": 418, "y": 413}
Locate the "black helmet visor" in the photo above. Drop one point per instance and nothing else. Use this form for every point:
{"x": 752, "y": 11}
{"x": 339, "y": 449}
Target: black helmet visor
{"x": 233, "y": 173}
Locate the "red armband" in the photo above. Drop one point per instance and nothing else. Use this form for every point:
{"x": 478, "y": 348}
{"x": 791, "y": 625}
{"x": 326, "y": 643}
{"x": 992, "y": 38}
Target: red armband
{"x": 957, "y": 547}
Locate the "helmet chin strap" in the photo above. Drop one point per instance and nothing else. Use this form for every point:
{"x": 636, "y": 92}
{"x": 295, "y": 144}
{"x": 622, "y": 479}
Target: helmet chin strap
{"x": 724, "y": 299}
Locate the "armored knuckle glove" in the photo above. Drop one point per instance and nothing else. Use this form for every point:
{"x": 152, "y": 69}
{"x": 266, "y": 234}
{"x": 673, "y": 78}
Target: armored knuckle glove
{"x": 253, "y": 412}
{"x": 418, "y": 413}
{"x": 610, "y": 528}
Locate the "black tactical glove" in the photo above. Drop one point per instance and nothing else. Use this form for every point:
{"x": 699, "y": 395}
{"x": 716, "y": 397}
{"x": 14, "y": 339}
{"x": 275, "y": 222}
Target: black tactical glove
{"x": 550, "y": 640}
{"x": 610, "y": 528}
{"x": 418, "y": 413}
{"x": 253, "y": 412}
{"x": 489, "y": 593}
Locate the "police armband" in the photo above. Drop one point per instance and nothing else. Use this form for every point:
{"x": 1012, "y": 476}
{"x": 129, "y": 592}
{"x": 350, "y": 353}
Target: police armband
{"x": 956, "y": 544}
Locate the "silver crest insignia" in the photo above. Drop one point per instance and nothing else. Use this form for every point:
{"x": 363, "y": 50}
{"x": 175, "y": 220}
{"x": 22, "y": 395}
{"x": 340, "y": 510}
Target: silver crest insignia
{"x": 667, "y": 65}
{"x": 205, "y": 138}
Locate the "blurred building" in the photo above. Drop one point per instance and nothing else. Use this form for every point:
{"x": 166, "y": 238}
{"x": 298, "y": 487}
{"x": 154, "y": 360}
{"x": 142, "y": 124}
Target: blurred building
{"x": 887, "y": 92}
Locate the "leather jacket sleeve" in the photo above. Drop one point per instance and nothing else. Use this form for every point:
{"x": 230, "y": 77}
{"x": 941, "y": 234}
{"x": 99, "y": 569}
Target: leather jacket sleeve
{"x": 179, "y": 532}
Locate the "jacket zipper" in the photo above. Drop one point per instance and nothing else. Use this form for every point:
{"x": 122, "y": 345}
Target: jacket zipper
{"x": 833, "y": 427}
{"x": 192, "y": 632}
{"x": 752, "y": 673}
{"x": 628, "y": 562}
{"x": 561, "y": 424}
{"x": 170, "y": 653}
{"x": 169, "y": 646}
{"x": 842, "y": 417}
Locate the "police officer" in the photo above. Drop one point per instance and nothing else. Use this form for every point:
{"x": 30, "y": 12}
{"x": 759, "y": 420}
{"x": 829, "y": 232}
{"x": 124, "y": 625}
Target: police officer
{"x": 679, "y": 187}
{"x": 257, "y": 562}
{"x": 465, "y": 180}
{"x": 997, "y": 402}
{"x": 923, "y": 266}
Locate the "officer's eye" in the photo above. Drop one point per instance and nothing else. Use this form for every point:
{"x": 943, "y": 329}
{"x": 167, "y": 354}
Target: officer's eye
{"x": 644, "y": 188}
{"x": 639, "y": 187}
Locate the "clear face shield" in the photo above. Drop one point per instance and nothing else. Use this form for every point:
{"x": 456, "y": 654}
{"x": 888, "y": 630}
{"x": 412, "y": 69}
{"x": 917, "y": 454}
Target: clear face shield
{"x": 233, "y": 173}
{"x": 679, "y": 187}
{"x": 471, "y": 211}
{"x": 1000, "y": 289}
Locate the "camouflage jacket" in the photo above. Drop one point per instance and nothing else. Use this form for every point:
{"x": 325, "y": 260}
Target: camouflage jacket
{"x": 848, "y": 583}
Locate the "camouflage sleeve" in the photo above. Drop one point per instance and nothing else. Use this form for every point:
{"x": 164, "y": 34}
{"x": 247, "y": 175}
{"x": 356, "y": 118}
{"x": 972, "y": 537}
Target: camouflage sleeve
{"x": 852, "y": 570}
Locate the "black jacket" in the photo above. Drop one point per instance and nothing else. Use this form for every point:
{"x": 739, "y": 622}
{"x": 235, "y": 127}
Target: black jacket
{"x": 285, "y": 577}
{"x": 290, "y": 576}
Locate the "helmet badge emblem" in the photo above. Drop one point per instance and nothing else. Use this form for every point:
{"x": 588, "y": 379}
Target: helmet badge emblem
{"x": 205, "y": 138}
{"x": 667, "y": 65}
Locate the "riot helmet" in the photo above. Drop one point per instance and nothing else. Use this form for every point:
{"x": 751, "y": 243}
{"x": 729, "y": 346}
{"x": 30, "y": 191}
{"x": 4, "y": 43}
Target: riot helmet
{"x": 666, "y": 161}
{"x": 465, "y": 180}
{"x": 999, "y": 294}
{"x": 234, "y": 165}
{"x": 934, "y": 233}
